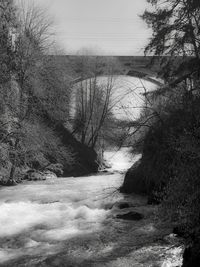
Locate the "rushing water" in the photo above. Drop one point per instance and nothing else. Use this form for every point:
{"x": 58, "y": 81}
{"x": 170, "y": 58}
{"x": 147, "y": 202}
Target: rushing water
{"x": 72, "y": 222}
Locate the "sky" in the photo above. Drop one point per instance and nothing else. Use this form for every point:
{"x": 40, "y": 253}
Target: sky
{"x": 107, "y": 27}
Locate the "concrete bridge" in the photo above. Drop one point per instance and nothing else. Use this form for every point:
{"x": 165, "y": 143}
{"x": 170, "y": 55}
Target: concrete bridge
{"x": 135, "y": 66}
{"x": 135, "y": 73}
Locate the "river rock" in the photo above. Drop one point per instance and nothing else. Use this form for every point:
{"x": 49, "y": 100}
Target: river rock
{"x": 50, "y": 175}
{"x": 133, "y": 180}
{"x": 124, "y": 205}
{"x": 3, "y": 180}
{"x": 33, "y": 175}
{"x": 55, "y": 168}
{"x": 6, "y": 182}
{"x": 132, "y": 216}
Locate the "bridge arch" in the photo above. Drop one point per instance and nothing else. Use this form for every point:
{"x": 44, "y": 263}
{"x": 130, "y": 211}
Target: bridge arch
{"x": 131, "y": 72}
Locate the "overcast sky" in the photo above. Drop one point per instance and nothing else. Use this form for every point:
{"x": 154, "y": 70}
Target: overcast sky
{"x": 106, "y": 26}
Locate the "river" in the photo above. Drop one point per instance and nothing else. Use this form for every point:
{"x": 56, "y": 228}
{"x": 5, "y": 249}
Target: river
{"x": 72, "y": 222}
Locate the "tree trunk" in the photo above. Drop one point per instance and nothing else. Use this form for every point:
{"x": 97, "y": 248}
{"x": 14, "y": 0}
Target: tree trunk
{"x": 11, "y": 179}
{"x": 12, "y": 173}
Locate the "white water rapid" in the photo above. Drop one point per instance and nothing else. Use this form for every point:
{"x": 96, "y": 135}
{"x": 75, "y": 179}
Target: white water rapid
{"x": 72, "y": 222}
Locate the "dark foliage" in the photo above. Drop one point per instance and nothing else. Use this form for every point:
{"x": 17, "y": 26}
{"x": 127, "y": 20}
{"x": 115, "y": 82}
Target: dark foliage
{"x": 176, "y": 34}
{"x": 169, "y": 172}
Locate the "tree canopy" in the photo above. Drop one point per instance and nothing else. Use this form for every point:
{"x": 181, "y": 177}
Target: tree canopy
{"x": 176, "y": 34}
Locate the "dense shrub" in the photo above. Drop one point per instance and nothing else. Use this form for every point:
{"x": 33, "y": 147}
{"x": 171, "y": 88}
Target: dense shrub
{"x": 182, "y": 194}
{"x": 170, "y": 165}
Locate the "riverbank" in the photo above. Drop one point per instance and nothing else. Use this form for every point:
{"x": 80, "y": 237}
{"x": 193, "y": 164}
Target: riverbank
{"x": 169, "y": 169}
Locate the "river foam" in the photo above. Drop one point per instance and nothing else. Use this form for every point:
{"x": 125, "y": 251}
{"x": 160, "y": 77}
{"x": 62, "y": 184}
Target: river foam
{"x": 36, "y": 215}
{"x": 72, "y": 222}
{"x": 63, "y": 218}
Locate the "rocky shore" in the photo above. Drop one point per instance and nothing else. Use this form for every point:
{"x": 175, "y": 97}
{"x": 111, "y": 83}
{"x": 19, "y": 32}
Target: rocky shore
{"x": 52, "y": 171}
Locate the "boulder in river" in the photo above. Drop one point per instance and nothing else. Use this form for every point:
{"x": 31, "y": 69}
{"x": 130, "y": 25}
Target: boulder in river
{"x": 3, "y": 180}
{"x": 56, "y": 168}
{"x": 50, "y": 175}
{"x": 131, "y": 216}
{"x": 124, "y": 205}
{"x": 133, "y": 181}
{"x": 7, "y": 182}
{"x": 33, "y": 175}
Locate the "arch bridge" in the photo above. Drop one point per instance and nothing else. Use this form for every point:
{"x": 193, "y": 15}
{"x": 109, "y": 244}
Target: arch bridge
{"x": 134, "y": 66}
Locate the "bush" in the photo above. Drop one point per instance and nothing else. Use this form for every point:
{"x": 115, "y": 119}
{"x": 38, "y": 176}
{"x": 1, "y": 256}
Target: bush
{"x": 170, "y": 165}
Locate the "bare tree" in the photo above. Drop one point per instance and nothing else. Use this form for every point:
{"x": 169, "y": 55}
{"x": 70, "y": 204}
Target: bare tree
{"x": 93, "y": 98}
